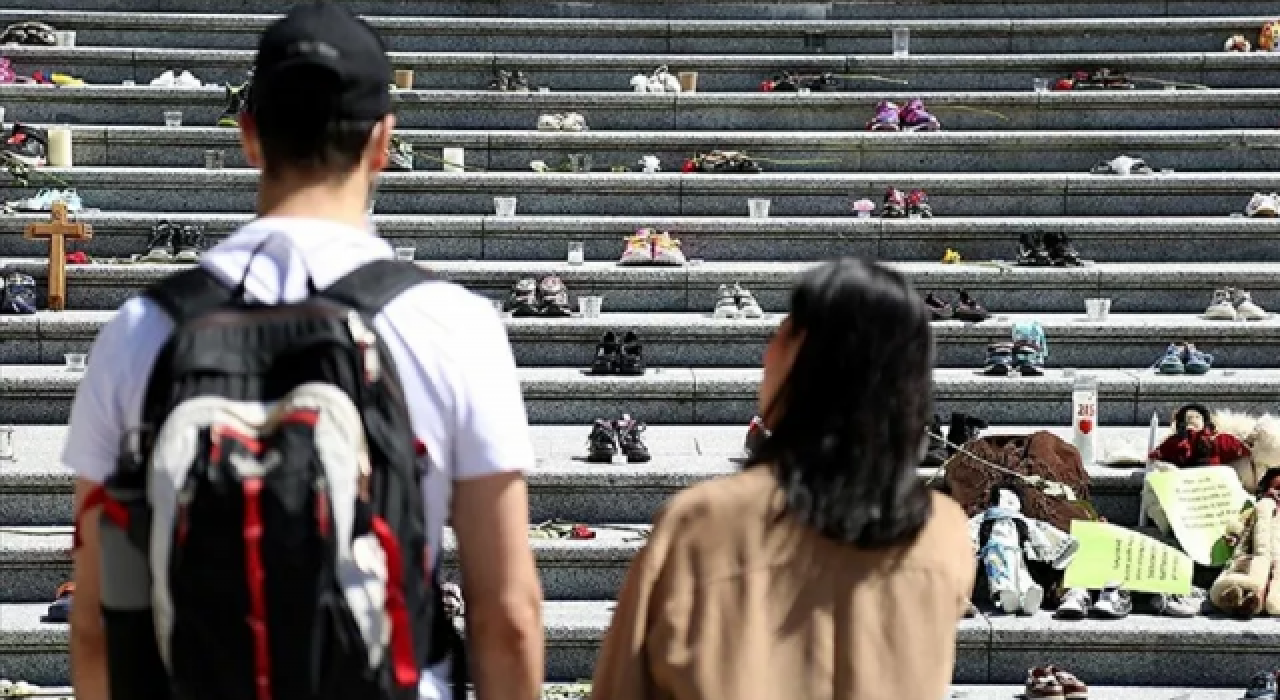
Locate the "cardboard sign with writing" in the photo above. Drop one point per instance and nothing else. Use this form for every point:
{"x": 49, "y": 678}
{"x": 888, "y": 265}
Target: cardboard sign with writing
{"x": 1200, "y": 503}
{"x": 1113, "y": 554}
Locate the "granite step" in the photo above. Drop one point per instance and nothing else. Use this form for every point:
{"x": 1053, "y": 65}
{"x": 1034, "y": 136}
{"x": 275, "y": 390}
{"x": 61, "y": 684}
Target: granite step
{"x": 696, "y": 340}
{"x": 793, "y": 194}
{"x": 834, "y": 151}
{"x": 475, "y": 108}
{"x": 517, "y": 34}
{"x": 1210, "y": 651}
{"x": 36, "y": 491}
{"x": 716, "y": 72}
{"x": 34, "y": 561}
{"x": 718, "y": 9}
{"x": 725, "y": 238}
{"x": 42, "y": 394}
{"x": 1002, "y": 286}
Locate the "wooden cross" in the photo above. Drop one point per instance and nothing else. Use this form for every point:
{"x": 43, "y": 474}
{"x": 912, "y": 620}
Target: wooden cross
{"x": 57, "y": 231}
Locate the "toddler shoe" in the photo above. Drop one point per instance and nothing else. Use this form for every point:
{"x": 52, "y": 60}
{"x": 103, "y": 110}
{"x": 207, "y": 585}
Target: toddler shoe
{"x": 1246, "y": 309}
{"x": 639, "y": 250}
{"x": 886, "y": 118}
{"x": 726, "y": 304}
{"x": 1222, "y": 308}
{"x": 914, "y": 117}
{"x": 747, "y": 304}
{"x": 666, "y": 250}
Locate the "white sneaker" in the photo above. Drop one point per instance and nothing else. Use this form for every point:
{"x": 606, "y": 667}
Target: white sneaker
{"x": 1113, "y": 603}
{"x": 1263, "y": 205}
{"x": 1245, "y": 309}
{"x": 165, "y": 79}
{"x": 726, "y": 304}
{"x": 187, "y": 80}
{"x": 670, "y": 82}
{"x": 1221, "y": 308}
{"x": 573, "y": 122}
{"x": 1075, "y": 605}
{"x": 656, "y": 84}
{"x": 639, "y": 250}
{"x": 747, "y": 303}
{"x": 550, "y": 122}
{"x": 640, "y": 83}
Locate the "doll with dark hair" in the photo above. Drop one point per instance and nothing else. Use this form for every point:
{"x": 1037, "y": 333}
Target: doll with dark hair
{"x": 1007, "y": 540}
{"x": 1196, "y": 441}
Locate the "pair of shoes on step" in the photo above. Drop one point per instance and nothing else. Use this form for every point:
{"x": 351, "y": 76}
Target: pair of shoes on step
{"x": 735, "y": 301}
{"x": 619, "y": 355}
{"x": 571, "y": 121}
{"x": 610, "y": 437}
{"x": 547, "y": 297}
{"x": 1233, "y": 304}
{"x": 649, "y": 247}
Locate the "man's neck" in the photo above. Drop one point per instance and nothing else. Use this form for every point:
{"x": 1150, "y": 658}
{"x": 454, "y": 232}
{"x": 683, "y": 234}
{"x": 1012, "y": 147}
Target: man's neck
{"x": 340, "y": 201}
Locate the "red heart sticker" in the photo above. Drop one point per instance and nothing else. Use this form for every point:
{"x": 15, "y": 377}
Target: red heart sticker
{"x": 1086, "y": 425}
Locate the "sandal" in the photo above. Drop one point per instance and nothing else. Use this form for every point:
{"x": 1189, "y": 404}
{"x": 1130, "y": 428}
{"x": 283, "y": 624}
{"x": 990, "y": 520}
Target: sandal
{"x": 561, "y": 530}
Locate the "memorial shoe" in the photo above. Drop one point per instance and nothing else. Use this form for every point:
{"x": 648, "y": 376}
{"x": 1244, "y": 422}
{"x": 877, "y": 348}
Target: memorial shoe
{"x": 1246, "y": 309}
{"x": 886, "y": 118}
{"x": 19, "y": 294}
{"x": 1113, "y": 603}
{"x": 1262, "y": 686}
{"x": 160, "y": 245}
{"x": 1263, "y": 205}
{"x": 666, "y": 250}
{"x": 188, "y": 244}
{"x": 44, "y": 199}
{"x": 631, "y": 441}
{"x": 1032, "y": 251}
{"x": 1061, "y": 252}
{"x": 747, "y": 304}
{"x": 1182, "y": 606}
{"x": 27, "y": 144}
{"x": 1171, "y": 361}
{"x": 553, "y": 297}
{"x": 1075, "y": 605}
{"x": 1072, "y": 687}
{"x": 237, "y": 97}
{"x": 638, "y": 249}
{"x": 726, "y": 304}
{"x": 522, "y": 300}
{"x": 602, "y": 443}
{"x": 1042, "y": 685}
{"x": 969, "y": 309}
{"x": 895, "y": 204}
{"x": 1196, "y": 362}
{"x": 29, "y": 34}
{"x": 939, "y": 308}
{"x": 914, "y": 117}
{"x": 1222, "y": 307}
{"x": 918, "y": 204}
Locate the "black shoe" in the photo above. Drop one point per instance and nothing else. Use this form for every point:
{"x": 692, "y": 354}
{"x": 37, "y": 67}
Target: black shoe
{"x": 963, "y": 428}
{"x": 27, "y": 144}
{"x": 999, "y": 360}
{"x": 1262, "y": 686}
{"x": 602, "y": 444}
{"x": 756, "y": 435}
{"x": 1061, "y": 252}
{"x": 518, "y": 82}
{"x": 522, "y": 301}
{"x": 553, "y": 297}
{"x": 632, "y": 444}
{"x": 607, "y": 351}
{"x": 968, "y": 309}
{"x": 631, "y": 359}
{"x": 188, "y": 244}
{"x": 29, "y": 34}
{"x": 160, "y": 245}
{"x": 937, "y": 453}
{"x": 237, "y": 102}
{"x": 501, "y": 81}
{"x": 1031, "y": 251}
{"x": 939, "y": 309}
{"x": 1026, "y": 358}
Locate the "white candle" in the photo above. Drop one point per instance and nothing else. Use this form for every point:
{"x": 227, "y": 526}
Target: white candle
{"x": 60, "y": 147}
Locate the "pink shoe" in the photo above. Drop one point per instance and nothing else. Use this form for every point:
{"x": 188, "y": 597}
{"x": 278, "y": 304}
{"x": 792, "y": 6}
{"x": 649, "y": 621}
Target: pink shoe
{"x": 6, "y": 71}
{"x": 895, "y": 204}
{"x": 914, "y": 117}
{"x": 886, "y": 118}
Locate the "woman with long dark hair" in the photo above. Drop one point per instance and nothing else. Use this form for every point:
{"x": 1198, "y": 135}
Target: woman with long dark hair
{"x": 825, "y": 569}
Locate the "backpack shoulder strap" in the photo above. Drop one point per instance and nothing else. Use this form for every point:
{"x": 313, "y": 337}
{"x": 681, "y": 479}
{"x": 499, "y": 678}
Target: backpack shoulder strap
{"x": 373, "y": 285}
{"x": 188, "y": 294}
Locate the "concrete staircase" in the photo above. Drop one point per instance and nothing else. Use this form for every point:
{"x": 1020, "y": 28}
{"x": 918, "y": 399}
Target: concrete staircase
{"x": 1009, "y": 161}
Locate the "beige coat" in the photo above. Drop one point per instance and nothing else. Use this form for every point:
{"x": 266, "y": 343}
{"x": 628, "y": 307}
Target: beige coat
{"x": 731, "y": 599}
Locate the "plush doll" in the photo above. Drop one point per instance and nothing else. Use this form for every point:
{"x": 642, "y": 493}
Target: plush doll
{"x": 1245, "y": 587}
{"x": 1260, "y": 434}
{"x": 1196, "y": 441}
{"x": 1006, "y": 540}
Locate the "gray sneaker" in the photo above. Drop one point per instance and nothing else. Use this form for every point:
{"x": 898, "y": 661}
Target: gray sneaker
{"x": 1221, "y": 308}
{"x": 1246, "y": 309}
{"x": 726, "y": 304}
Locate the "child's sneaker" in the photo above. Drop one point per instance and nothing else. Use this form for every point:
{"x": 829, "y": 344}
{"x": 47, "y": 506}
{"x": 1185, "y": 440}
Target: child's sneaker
{"x": 1262, "y": 205}
{"x": 1223, "y": 307}
{"x": 160, "y": 246}
{"x": 630, "y": 440}
{"x": 918, "y": 204}
{"x": 602, "y": 443}
{"x": 895, "y": 204}
{"x": 19, "y": 295}
{"x": 639, "y": 250}
{"x": 886, "y": 118}
{"x": 726, "y": 304}
{"x": 1196, "y": 362}
{"x": 999, "y": 360}
{"x": 1042, "y": 685}
{"x": 553, "y": 297}
{"x": 914, "y": 117}
{"x": 1032, "y": 251}
{"x": 1060, "y": 250}
{"x": 188, "y": 244}
{"x": 1171, "y": 363}
{"x": 1245, "y": 309}
{"x": 666, "y": 250}
{"x": 747, "y": 303}
{"x": 1072, "y": 688}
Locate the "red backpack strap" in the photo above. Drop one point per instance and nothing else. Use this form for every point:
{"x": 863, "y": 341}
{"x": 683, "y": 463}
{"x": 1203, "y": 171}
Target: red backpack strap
{"x": 111, "y": 509}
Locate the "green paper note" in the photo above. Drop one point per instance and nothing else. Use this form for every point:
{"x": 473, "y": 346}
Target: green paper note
{"x": 1113, "y": 554}
{"x": 1199, "y": 504}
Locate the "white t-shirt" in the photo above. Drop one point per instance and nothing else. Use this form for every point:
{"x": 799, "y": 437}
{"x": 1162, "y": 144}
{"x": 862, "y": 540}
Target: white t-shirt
{"x": 449, "y": 345}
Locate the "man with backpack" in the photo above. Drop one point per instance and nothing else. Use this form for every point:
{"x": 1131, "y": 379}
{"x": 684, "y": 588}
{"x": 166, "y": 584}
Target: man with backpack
{"x": 268, "y": 446}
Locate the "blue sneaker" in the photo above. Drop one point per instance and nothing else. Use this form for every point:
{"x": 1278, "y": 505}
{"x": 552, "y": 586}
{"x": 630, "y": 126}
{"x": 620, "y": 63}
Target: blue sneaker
{"x": 19, "y": 294}
{"x": 41, "y": 201}
{"x": 1171, "y": 363}
{"x": 1196, "y": 362}
{"x": 72, "y": 199}
{"x": 999, "y": 360}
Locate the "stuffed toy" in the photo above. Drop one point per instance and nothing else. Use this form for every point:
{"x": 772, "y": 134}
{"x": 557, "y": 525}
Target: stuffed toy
{"x": 1261, "y": 435}
{"x": 1196, "y": 441}
{"x": 1244, "y": 588}
{"x": 1006, "y": 541}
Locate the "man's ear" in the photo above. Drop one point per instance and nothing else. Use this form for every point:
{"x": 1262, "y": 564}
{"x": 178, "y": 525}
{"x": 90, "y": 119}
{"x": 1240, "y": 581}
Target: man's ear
{"x": 376, "y": 153}
{"x": 249, "y": 141}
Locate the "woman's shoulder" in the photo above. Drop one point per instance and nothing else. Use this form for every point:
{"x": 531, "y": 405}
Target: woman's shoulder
{"x": 945, "y": 537}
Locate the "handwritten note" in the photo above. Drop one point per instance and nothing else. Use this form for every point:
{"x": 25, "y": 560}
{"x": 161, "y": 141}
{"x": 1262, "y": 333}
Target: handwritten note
{"x": 1200, "y": 503}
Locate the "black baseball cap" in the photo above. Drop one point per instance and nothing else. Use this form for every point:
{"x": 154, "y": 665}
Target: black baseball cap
{"x": 321, "y": 61}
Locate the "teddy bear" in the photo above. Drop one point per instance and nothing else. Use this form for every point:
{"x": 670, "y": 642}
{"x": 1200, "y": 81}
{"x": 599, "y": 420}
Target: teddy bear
{"x": 1006, "y": 540}
{"x": 1244, "y": 588}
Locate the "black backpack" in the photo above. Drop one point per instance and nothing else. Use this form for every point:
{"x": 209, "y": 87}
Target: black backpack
{"x": 264, "y": 536}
